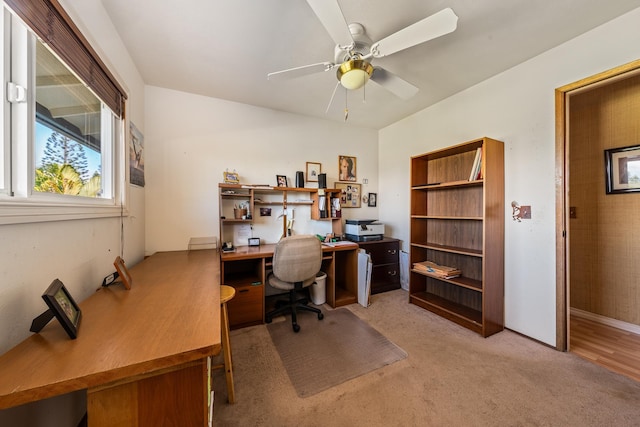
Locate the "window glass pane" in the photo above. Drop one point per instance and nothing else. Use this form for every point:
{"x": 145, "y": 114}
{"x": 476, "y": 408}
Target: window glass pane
{"x": 68, "y": 149}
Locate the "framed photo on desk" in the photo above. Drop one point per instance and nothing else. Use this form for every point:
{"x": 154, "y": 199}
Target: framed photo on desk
{"x": 123, "y": 272}
{"x": 63, "y": 307}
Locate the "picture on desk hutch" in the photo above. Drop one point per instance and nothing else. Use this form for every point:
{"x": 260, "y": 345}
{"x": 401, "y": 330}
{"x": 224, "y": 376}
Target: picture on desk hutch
{"x": 347, "y": 168}
{"x": 313, "y": 170}
{"x": 350, "y": 194}
{"x": 281, "y": 180}
{"x": 231, "y": 177}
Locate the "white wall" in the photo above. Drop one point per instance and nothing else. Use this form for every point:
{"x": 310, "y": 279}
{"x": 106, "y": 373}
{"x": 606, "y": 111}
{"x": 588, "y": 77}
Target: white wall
{"x": 80, "y": 253}
{"x": 191, "y": 140}
{"x": 516, "y": 107}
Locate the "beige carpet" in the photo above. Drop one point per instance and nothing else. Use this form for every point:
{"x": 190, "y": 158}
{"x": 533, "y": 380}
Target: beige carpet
{"x": 451, "y": 377}
{"x": 328, "y": 352}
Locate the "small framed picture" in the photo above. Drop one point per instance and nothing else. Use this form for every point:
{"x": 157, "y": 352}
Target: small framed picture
{"x": 63, "y": 307}
{"x": 373, "y": 199}
{"x": 622, "y": 169}
{"x": 254, "y": 241}
{"x": 231, "y": 178}
{"x": 347, "y": 168}
{"x": 313, "y": 170}
{"x": 350, "y": 194}
{"x": 281, "y": 180}
{"x": 123, "y": 272}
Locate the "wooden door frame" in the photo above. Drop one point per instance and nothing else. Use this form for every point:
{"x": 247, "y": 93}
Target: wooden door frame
{"x": 562, "y": 95}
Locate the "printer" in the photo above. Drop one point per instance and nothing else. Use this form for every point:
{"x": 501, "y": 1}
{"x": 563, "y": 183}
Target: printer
{"x": 363, "y": 230}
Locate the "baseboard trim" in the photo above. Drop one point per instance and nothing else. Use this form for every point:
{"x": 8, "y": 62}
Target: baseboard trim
{"x": 629, "y": 327}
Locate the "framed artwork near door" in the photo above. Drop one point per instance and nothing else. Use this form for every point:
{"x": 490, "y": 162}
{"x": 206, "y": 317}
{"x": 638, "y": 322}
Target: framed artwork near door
{"x": 622, "y": 169}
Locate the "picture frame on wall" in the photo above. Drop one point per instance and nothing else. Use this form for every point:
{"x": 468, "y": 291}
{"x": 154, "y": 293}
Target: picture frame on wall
{"x": 347, "y": 168}
{"x": 622, "y": 169}
{"x": 313, "y": 170}
{"x": 136, "y": 156}
{"x": 372, "y": 200}
{"x": 350, "y": 194}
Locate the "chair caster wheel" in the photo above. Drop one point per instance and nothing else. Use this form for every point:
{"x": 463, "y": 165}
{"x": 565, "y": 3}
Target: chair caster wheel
{"x": 296, "y": 328}
{"x": 320, "y": 316}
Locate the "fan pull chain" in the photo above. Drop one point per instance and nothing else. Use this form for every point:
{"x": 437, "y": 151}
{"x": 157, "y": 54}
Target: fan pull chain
{"x": 364, "y": 90}
{"x": 346, "y": 104}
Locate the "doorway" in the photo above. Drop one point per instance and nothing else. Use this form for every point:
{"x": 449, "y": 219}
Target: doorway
{"x": 580, "y": 196}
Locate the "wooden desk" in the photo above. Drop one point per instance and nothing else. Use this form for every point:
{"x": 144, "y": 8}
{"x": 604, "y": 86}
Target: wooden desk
{"x": 246, "y": 270}
{"x": 141, "y": 354}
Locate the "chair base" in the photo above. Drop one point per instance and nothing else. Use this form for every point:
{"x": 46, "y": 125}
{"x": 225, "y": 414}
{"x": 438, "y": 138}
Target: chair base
{"x": 292, "y": 306}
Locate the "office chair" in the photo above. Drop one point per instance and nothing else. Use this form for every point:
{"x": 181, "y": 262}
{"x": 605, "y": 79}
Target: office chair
{"x": 296, "y": 261}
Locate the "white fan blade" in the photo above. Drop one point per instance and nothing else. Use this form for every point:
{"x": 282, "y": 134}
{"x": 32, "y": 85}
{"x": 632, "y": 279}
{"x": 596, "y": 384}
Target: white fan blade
{"x": 331, "y": 17}
{"x": 394, "y": 84}
{"x": 300, "y": 71}
{"x": 436, "y": 25}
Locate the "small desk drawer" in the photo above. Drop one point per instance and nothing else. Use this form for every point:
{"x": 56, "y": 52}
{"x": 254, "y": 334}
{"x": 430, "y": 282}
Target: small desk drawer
{"x": 383, "y": 253}
{"x": 385, "y": 276}
{"x": 245, "y": 308}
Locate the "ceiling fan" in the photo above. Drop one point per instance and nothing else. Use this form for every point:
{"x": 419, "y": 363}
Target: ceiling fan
{"x": 355, "y": 51}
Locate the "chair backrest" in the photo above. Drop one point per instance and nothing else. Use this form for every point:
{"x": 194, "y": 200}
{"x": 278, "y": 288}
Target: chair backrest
{"x": 297, "y": 258}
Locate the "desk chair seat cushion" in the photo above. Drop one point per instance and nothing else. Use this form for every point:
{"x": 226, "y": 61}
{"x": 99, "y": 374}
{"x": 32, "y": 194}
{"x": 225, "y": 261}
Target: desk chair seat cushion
{"x": 281, "y": 284}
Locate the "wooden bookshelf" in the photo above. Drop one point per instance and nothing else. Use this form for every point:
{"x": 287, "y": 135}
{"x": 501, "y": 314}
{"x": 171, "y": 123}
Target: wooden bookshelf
{"x": 459, "y": 223}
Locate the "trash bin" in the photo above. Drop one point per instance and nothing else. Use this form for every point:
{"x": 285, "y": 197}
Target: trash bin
{"x": 318, "y": 289}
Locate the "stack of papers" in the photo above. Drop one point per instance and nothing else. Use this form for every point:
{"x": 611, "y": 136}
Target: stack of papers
{"x": 434, "y": 269}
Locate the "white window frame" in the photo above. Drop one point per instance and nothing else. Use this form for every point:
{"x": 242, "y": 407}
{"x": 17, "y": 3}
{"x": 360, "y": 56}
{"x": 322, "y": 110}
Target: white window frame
{"x": 19, "y": 203}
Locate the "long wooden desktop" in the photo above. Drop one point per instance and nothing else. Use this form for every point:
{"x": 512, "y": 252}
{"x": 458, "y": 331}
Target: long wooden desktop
{"x": 246, "y": 270}
{"x": 141, "y": 354}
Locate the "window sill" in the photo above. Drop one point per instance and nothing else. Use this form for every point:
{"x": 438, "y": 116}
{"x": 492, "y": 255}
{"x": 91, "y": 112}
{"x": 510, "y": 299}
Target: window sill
{"x": 25, "y": 213}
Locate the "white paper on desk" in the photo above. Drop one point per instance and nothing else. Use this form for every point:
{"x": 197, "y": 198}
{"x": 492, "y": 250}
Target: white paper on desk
{"x": 241, "y": 234}
{"x": 364, "y": 277}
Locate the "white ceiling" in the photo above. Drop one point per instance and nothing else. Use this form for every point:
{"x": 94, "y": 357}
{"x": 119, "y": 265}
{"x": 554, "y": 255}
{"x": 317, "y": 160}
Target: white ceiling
{"x": 225, "y": 48}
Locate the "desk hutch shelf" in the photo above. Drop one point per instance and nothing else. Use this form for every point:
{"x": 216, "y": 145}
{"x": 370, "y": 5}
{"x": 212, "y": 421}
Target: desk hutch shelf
{"x": 457, "y": 222}
{"x": 256, "y": 196}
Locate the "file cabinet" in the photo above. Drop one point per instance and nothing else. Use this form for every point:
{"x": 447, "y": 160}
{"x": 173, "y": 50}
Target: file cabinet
{"x": 385, "y": 257}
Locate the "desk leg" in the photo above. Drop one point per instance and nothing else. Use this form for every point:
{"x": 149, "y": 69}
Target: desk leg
{"x": 226, "y": 349}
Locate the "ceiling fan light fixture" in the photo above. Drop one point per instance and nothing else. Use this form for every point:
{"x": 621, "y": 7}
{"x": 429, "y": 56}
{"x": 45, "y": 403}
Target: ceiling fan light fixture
{"x": 353, "y": 74}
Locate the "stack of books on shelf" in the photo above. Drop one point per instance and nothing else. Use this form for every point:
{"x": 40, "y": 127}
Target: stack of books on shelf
{"x": 476, "y": 169}
{"x": 434, "y": 269}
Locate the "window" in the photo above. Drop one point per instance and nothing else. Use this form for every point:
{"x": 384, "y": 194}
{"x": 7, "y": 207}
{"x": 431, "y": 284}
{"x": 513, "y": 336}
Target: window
{"x": 68, "y": 148}
{"x": 62, "y": 151}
